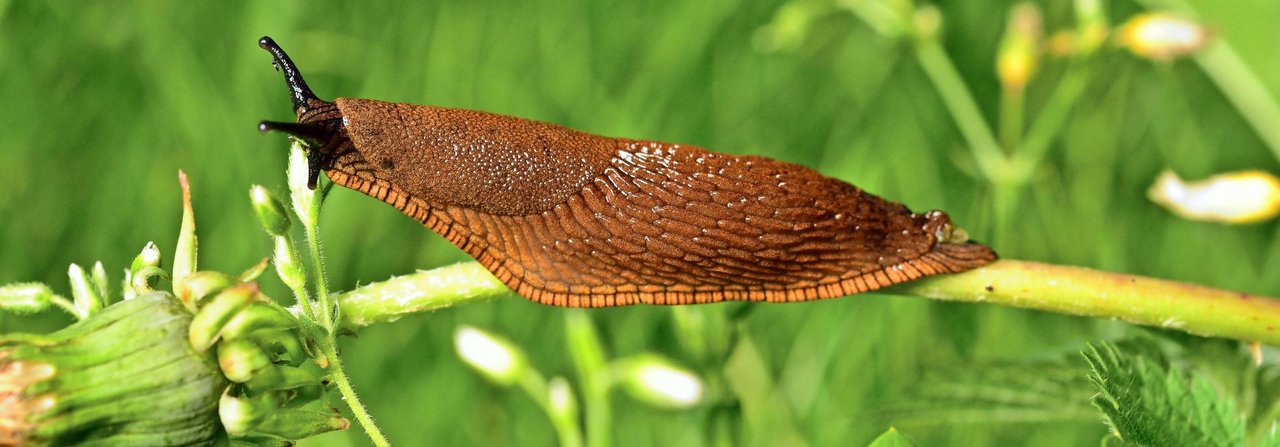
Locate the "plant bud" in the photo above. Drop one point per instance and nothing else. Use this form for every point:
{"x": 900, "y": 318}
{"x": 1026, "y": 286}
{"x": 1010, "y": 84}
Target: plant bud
{"x": 271, "y": 212}
{"x": 25, "y": 297}
{"x": 655, "y": 380}
{"x": 1020, "y": 50}
{"x": 497, "y": 359}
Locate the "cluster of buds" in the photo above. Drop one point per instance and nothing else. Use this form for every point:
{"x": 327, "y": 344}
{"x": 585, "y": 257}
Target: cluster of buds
{"x": 214, "y": 362}
{"x": 260, "y": 350}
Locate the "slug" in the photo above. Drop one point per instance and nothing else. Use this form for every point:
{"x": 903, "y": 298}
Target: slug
{"x": 569, "y": 218}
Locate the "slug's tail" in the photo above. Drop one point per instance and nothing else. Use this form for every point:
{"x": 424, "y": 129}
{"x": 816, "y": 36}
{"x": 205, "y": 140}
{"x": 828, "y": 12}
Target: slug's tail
{"x": 303, "y": 98}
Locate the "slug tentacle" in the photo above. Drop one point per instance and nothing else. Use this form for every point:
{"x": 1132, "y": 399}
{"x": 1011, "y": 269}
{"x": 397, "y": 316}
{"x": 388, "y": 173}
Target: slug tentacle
{"x": 568, "y": 218}
{"x": 298, "y": 89}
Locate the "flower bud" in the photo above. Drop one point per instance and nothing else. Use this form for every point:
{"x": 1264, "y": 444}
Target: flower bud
{"x": 288, "y": 268}
{"x": 1235, "y": 197}
{"x": 301, "y": 190}
{"x": 123, "y": 375}
{"x": 1162, "y": 37}
{"x": 84, "y": 293}
{"x": 25, "y": 297}
{"x": 927, "y": 22}
{"x": 271, "y": 212}
{"x": 497, "y": 359}
{"x": 655, "y": 380}
{"x": 240, "y": 413}
{"x": 140, "y": 277}
{"x": 201, "y": 285}
{"x": 560, "y": 395}
{"x": 207, "y": 324}
{"x": 1020, "y": 50}
{"x": 148, "y": 257}
{"x": 184, "y": 255}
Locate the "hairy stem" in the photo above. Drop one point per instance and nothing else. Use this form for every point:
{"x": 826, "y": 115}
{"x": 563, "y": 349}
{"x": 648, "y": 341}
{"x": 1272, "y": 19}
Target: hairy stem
{"x": 420, "y": 292}
{"x": 339, "y": 377}
{"x": 326, "y": 310}
{"x": 1056, "y": 288}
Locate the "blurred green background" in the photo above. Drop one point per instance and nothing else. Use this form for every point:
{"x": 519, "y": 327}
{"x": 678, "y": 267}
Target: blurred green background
{"x": 104, "y": 101}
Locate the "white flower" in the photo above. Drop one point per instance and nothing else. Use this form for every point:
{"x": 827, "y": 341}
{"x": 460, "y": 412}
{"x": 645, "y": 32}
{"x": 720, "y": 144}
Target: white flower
{"x": 1234, "y": 197}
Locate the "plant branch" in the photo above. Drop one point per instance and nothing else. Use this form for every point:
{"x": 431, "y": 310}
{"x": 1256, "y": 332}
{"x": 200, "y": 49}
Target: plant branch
{"x": 1029, "y": 285}
{"x": 1141, "y": 300}
{"x": 421, "y": 292}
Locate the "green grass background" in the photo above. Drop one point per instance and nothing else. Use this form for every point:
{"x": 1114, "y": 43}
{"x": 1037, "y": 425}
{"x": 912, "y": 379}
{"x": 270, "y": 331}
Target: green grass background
{"x": 102, "y": 102}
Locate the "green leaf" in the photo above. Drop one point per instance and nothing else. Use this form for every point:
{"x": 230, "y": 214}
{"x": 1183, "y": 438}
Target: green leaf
{"x": 891, "y": 438}
{"x": 1148, "y": 404}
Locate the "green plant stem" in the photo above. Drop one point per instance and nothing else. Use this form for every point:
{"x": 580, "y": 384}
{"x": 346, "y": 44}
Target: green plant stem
{"x": 327, "y": 310}
{"x": 964, "y": 110}
{"x": 299, "y": 288}
{"x": 339, "y": 378}
{"x": 1237, "y": 81}
{"x": 1012, "y": 108}
{"x": 420, "y": 292}
{"x": 1243, "y": 88}
{"x": 1052, "y": 116}
{"x": 1079, "y": 291}
{"x": 589, "y": 360}
{"x": 64, "y": 304}
{"x": 1056, "y": 288}
{"x": 566, "y": 429}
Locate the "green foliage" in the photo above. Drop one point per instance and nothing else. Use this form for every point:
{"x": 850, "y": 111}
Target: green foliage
{"x": 892, "y": 438}
{"x": 1149, "y": 404}
{"x": 104, "y": 101}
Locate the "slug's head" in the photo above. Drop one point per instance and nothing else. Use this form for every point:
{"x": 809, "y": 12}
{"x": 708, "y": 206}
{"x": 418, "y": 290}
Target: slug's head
{"x": 944, "y": 231}
{"x": 319, "y": 124}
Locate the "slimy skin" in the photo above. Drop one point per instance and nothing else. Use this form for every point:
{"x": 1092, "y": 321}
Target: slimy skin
{"x": 569, "y": 218}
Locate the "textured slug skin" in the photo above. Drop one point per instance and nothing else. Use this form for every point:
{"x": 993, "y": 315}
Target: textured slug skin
{"x": 569, "y": 218}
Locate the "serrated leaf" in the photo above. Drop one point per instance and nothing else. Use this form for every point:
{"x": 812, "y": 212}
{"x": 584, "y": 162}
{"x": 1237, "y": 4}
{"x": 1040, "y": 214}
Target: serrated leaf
{"x": 891, "y": 438}
{"x": 992, "y": 392}
{"x": 1148, "y": 404}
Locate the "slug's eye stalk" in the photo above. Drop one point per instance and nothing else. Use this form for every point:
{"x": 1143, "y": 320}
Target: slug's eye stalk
{"x": 311, "y": 134}
{"x": 319, "y": 125}
{"x": 302, "y": 96}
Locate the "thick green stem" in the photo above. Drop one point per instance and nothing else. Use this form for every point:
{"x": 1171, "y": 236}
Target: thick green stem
{"x": 1063, "y": 289}
{"x": 1141, "y": 300}
{"x": 420, "y": 292}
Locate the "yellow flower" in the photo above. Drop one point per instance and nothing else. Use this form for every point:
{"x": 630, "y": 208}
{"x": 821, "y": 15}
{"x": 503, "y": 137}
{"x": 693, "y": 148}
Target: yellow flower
{"x": 1234, "y": 197}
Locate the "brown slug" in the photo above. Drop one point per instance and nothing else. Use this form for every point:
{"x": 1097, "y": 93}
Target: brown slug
{"x": 568, "y": 218}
